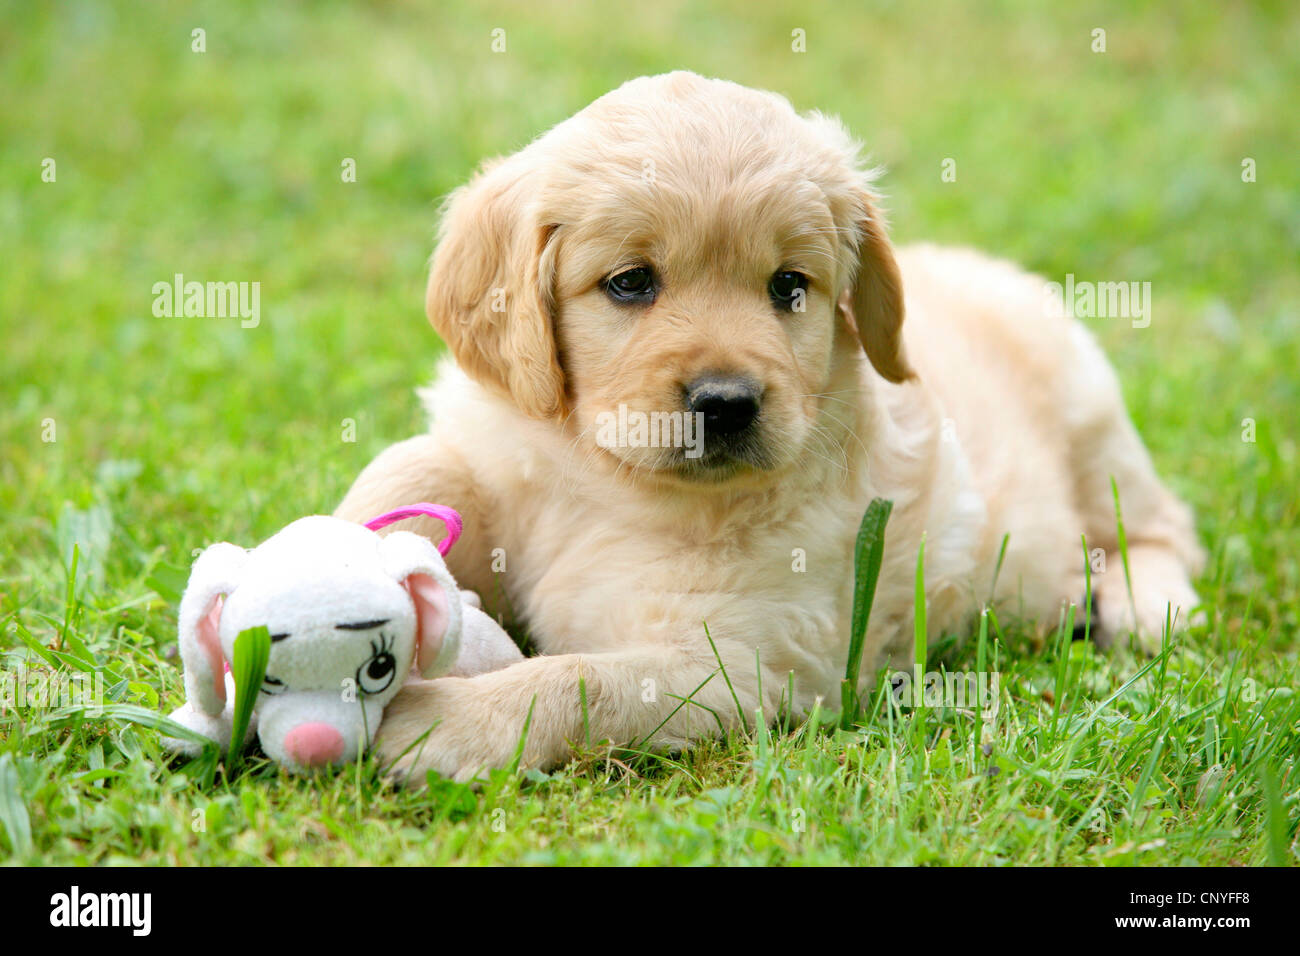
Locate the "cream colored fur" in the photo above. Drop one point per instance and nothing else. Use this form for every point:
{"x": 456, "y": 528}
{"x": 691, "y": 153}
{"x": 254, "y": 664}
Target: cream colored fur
{"x": 984, "y": 416}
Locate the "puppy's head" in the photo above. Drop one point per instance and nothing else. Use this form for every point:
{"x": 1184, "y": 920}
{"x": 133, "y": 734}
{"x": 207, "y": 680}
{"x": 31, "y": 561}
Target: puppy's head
{"x": 682, "y": 253}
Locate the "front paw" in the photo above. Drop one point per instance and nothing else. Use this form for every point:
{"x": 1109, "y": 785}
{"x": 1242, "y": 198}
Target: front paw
{"x": 1155, "y": 603}
{"x": 444, "y": 725}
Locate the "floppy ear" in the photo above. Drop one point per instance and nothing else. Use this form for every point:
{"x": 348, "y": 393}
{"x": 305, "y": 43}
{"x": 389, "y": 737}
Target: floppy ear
{"x": 415, "y": 563}
{"x": 876, "y": 299}
{"x": 490, "y": 297}
{"x": 216, "y": 572}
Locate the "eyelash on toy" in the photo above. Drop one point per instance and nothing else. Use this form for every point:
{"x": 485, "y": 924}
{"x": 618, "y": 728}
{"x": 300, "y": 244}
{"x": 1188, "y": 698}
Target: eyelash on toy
{"x": 383, "y": 646}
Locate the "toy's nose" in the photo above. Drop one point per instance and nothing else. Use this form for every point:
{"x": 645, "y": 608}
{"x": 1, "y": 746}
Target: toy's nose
{"x": 314, "y": 745}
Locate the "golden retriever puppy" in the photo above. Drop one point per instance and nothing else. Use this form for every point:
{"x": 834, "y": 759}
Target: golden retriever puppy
{"x": 697, "y": 253}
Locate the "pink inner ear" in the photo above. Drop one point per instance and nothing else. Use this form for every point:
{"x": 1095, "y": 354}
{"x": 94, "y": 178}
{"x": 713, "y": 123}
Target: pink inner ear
{"x": 210, "y": 640}
{"x": 431, "y": 617}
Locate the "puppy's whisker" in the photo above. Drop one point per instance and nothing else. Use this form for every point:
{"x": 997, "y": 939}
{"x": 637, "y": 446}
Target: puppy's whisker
{"x": 829, "y": 396}
{"x": 574, "y": 471}
{"x": 845, "y": 426}
{"x": 574, "y": 480}
{"x": 844, "y": 456}
{"x": 819, "y": 431}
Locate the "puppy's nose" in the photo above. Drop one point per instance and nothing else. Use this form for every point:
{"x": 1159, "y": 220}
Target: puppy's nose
{"x": 728, "y": 403}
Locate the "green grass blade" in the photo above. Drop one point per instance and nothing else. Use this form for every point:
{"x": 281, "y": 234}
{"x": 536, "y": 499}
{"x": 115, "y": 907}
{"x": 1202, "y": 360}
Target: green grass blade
{"x": 867, "y": 554}
{"x": 586, "y": 715}
{"x": 133, "y": 714}
{"x": 523, "y": 737}
{"x": 13, "y": 811}
{"x": 981, "y": 659}
{"x": 251, "y": 653}
{"x": 1122, "y": 537}
{"x": 997, "y": 568}
{"x": 1276, "y": 836}
{"x": 1138, "y": 799}
{"x": 688, "y": 699}
{"x": 920, "y": 639}
{"x": 1087, "y": 590}
{"x": 740, "y": 712}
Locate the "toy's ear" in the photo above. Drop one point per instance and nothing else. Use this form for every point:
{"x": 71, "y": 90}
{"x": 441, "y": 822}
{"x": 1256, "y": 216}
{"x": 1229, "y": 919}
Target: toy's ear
{"x": 415, "y": 563}
{"x": 215, "y": 573}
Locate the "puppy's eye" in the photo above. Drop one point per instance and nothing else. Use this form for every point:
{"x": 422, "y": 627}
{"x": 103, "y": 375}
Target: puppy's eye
{"x": 632, "y": 285}
{"x": 788, "y": 290}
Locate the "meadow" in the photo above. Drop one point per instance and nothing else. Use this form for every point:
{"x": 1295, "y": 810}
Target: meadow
{"x": 130, "y": 439}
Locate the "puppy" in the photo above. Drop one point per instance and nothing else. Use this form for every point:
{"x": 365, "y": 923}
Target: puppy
{"x": 688, "y": 247}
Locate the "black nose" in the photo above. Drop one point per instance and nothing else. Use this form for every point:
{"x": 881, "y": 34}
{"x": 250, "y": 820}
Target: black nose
{"x": 729, "y": 404}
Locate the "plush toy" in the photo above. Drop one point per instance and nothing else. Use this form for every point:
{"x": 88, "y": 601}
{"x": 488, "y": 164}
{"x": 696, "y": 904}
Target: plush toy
{"x": 351, "y": 616}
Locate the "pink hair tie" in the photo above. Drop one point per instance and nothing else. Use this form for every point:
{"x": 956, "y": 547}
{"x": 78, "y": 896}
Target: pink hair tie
{"x": 448, "y": 516}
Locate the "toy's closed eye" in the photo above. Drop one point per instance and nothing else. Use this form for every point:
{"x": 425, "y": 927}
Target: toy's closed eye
{"x": 272, "y": 686}
{"x": 361, "y": 625}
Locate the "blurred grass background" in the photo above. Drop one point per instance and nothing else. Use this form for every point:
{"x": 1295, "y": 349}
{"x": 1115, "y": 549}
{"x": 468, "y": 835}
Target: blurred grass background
{"x": 225, "y": 165}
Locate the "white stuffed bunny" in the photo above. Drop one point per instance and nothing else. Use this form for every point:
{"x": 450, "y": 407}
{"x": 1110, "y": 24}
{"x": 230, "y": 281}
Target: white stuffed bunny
{"x": 350, "y": 613}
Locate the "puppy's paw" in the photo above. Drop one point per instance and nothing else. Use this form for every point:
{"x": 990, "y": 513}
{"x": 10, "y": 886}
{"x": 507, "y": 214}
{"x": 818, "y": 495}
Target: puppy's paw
{"x": 445, "y": 726}
{"x": 1161, "y": 593}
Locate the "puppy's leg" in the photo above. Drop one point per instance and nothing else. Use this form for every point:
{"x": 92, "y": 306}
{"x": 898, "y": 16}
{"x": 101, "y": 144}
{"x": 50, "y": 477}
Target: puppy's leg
{"x": 665, "y": 696}
{"x": 1163, "y": 552}
{"x": 421, "y": 469}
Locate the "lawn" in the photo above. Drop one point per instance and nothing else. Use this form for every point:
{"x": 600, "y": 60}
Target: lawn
{"x": 1171, "y": 157}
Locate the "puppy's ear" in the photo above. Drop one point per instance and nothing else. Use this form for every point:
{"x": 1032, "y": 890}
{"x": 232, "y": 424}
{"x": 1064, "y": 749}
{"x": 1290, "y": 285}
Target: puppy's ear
{"x": 489, "y": 296}
{"x": 876, "y": 298}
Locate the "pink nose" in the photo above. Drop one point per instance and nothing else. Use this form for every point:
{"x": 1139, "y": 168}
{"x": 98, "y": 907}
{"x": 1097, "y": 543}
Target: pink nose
{"x": 314, "y": 745}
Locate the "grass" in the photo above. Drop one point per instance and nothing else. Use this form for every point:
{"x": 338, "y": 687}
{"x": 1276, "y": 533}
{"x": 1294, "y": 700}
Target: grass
{"x": 168, "y": 434}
